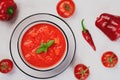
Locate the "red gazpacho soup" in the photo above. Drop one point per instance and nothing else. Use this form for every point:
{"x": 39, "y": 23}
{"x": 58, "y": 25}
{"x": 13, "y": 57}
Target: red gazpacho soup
{"x": 43, "y": 45}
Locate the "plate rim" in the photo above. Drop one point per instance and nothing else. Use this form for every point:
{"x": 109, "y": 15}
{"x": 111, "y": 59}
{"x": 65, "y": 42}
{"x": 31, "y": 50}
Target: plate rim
{"x": 24, "y": 20}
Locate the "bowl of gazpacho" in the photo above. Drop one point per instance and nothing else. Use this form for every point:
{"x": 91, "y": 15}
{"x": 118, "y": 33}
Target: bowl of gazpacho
{"x": 43, "y": 45}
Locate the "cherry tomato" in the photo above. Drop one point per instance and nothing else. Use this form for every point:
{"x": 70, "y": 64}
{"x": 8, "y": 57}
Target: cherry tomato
{"x": 6, "y": 65}
{"x": 109, "y": 59}
{"x": 81, "y": 71}
{"x": 65, "y": 8}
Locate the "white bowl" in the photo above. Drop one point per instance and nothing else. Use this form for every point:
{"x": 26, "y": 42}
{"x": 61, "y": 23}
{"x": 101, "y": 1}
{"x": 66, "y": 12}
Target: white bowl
{"x": 20, "y": 50}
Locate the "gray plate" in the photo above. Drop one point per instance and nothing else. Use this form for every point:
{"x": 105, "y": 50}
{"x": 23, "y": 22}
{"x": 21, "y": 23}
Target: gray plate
{"x": 25, "y": 24}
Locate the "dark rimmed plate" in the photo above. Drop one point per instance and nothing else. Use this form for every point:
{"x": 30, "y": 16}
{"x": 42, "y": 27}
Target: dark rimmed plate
{"x": 50, "y": 18}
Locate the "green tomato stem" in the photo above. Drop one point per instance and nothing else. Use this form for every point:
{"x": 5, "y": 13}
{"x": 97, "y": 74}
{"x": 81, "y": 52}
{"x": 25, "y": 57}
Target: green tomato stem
{"x": 4, "y": 66}
{"x": 67, "y": 7}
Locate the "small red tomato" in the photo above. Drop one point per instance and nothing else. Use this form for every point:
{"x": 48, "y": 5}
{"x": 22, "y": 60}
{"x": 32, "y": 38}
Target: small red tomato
{"x": 65, "y": 8}
{"x": 109, "y": 59}
{"x": 6, "y": 65}
{"x": 7, "y": 9}
{"x": 81, "y": 72}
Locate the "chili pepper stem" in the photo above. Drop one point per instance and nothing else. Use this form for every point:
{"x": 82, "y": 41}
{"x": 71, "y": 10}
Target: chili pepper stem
{"x": 83, "y": 26}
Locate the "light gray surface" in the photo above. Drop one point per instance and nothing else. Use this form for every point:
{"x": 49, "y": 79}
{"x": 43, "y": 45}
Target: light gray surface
{"x": 87, "y": 9}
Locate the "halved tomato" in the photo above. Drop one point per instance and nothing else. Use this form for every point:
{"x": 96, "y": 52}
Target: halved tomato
{"x": 6, "y": 65}
{"x": 109, "y": 59}
{"x": 81, "y": 71}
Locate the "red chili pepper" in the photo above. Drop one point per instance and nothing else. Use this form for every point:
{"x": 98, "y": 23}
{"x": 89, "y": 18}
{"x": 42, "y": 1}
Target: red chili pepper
{"x": 7, "y": 9}
{"x": 87, "y": 36}
{"x": 110, "y": 25}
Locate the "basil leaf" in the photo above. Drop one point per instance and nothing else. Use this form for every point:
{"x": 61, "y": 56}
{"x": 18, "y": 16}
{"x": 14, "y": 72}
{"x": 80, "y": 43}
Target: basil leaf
{"x": 40, "y": 50}
{"x": 50, "y": 43}
{"x": 44, "y": 46}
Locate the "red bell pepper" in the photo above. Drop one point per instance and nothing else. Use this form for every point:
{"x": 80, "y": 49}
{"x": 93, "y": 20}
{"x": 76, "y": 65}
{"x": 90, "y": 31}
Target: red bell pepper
{"x": 7, "y": 9}
{"x": 87, "y": 36}
{"x": 110, "y": 25}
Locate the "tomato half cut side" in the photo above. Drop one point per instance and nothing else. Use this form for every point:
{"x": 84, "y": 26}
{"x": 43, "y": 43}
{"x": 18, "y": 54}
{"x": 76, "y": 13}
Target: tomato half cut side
{"x": 81, "y": 71}
{"x": 109, "y": 59}
{"x": 6, "y": 65}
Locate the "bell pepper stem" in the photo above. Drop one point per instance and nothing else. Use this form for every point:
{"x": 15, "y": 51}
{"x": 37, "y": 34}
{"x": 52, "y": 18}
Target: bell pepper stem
{"x": 83, "y": 26}
{"x": 10, "y": 10}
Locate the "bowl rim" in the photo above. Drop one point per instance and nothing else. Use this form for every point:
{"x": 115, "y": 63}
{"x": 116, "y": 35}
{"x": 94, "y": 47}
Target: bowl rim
{"x": 24, "y": 31}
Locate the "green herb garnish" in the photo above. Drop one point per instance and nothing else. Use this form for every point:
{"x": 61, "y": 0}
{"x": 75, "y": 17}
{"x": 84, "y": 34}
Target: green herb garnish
{"x": 44, "y": 46}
